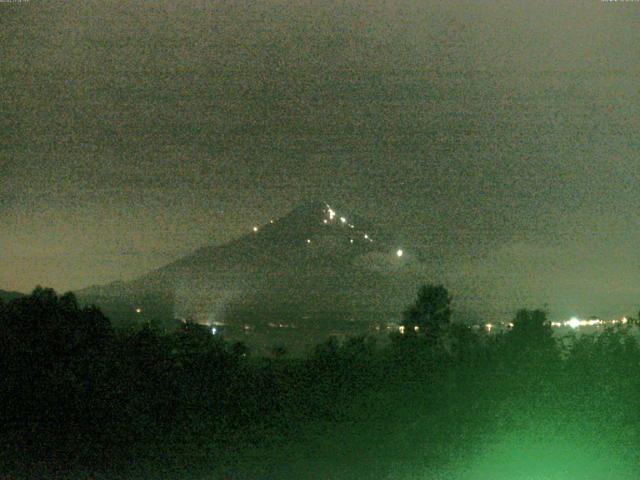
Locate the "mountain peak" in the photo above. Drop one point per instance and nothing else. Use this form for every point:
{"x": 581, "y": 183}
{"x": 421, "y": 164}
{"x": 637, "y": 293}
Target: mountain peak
{"x": 315, "y": 210}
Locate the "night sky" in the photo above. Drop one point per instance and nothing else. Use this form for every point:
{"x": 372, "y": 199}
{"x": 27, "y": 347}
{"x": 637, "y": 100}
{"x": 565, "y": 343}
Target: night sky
{"x": 498, "y": 139}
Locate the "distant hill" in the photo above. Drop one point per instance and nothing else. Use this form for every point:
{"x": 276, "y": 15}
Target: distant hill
{"x": 315, "y": 265}
{"x": 7, "y": 296}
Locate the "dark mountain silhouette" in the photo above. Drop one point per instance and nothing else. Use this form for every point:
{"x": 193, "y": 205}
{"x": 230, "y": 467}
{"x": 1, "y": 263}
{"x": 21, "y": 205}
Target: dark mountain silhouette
{"x": 7, "y": 296}
{"x": 313, "y": 265}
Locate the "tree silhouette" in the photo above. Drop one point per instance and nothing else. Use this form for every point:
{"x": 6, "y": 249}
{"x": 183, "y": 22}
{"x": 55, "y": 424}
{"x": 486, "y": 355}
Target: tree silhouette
{"x": 431, "y": 313}
{"x": 531, "y": 341}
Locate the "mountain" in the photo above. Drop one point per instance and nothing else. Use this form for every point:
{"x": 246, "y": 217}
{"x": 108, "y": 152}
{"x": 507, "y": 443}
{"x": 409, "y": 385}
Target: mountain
{"x": 7, "y": 296}
{"x": 313, "y": 266}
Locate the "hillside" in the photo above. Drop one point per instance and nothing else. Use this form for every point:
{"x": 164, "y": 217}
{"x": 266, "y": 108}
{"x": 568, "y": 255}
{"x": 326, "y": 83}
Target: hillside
{"x": 315, "y": 265}
{"x": 7, "y": 296}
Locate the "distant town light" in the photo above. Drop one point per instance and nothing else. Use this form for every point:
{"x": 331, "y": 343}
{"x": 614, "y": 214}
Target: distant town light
{"x": 573, "y": 323}
{"x": 401, "y": 329}
{"x": 399, "y": 253}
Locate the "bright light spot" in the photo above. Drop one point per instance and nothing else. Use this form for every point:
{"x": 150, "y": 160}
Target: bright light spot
{"x": 399, "y": 253}
{"x": 214, "y": 330}
{"x": 138, "y": 310}
{"x": 401, "y": 329}
{"x": 308, "y": 240}
{"x": 255, "y": 229}
{"x": 351, "y": 226}
{"x": 624, "y": 320}
{"x": 351, "y": 240}
{"x": 343, "y": 220}
{"x": 416, "y": 328}
{"x": 271, "y": 221}
{"x": 510, "y": 324}
{"x": 556, "y": 324}
{"x": 366, "y": 236}
{"x": 326, "y": 221}
{"x": 573, "y": 323}
{"x": 332, "y": 213}
{"x": 489, "y": 326}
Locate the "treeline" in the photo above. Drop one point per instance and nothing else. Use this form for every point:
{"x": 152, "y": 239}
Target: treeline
{"x": 78, "y": 398}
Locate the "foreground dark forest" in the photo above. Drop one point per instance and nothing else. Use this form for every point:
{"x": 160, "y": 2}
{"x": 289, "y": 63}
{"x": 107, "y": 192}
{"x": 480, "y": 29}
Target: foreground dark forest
{"x": 80, "y": 400}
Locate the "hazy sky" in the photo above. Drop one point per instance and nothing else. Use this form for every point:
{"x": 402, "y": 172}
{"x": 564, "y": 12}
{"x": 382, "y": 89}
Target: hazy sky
{"x": 500, "y": 138}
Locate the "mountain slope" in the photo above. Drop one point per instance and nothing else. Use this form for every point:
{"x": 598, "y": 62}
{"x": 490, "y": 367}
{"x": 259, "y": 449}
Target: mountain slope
{"x": 315, "y": 263}
{"x": 7, "y": 296}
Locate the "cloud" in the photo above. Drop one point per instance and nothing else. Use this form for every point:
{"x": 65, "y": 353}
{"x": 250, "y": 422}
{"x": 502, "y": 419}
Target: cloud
{"x": 579, "y": 277}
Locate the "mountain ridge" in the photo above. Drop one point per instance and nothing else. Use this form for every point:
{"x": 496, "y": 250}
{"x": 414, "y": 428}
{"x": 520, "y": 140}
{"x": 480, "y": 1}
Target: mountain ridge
{"x": 8, "y": 295}
{"x": 285, "y": 267}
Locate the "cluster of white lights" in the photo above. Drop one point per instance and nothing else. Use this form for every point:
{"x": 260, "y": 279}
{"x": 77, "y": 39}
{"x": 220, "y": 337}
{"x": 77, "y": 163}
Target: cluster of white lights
{"x": 331, "y": 216}
{"x": 343, "y": 220}
{"x": 399, "y": 252}
{"x": 402, "y": 329}
{"x": 575, "y": 322}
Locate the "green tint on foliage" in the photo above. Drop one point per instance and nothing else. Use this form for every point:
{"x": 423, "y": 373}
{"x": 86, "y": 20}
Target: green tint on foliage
{"x": 467, "y": 406}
